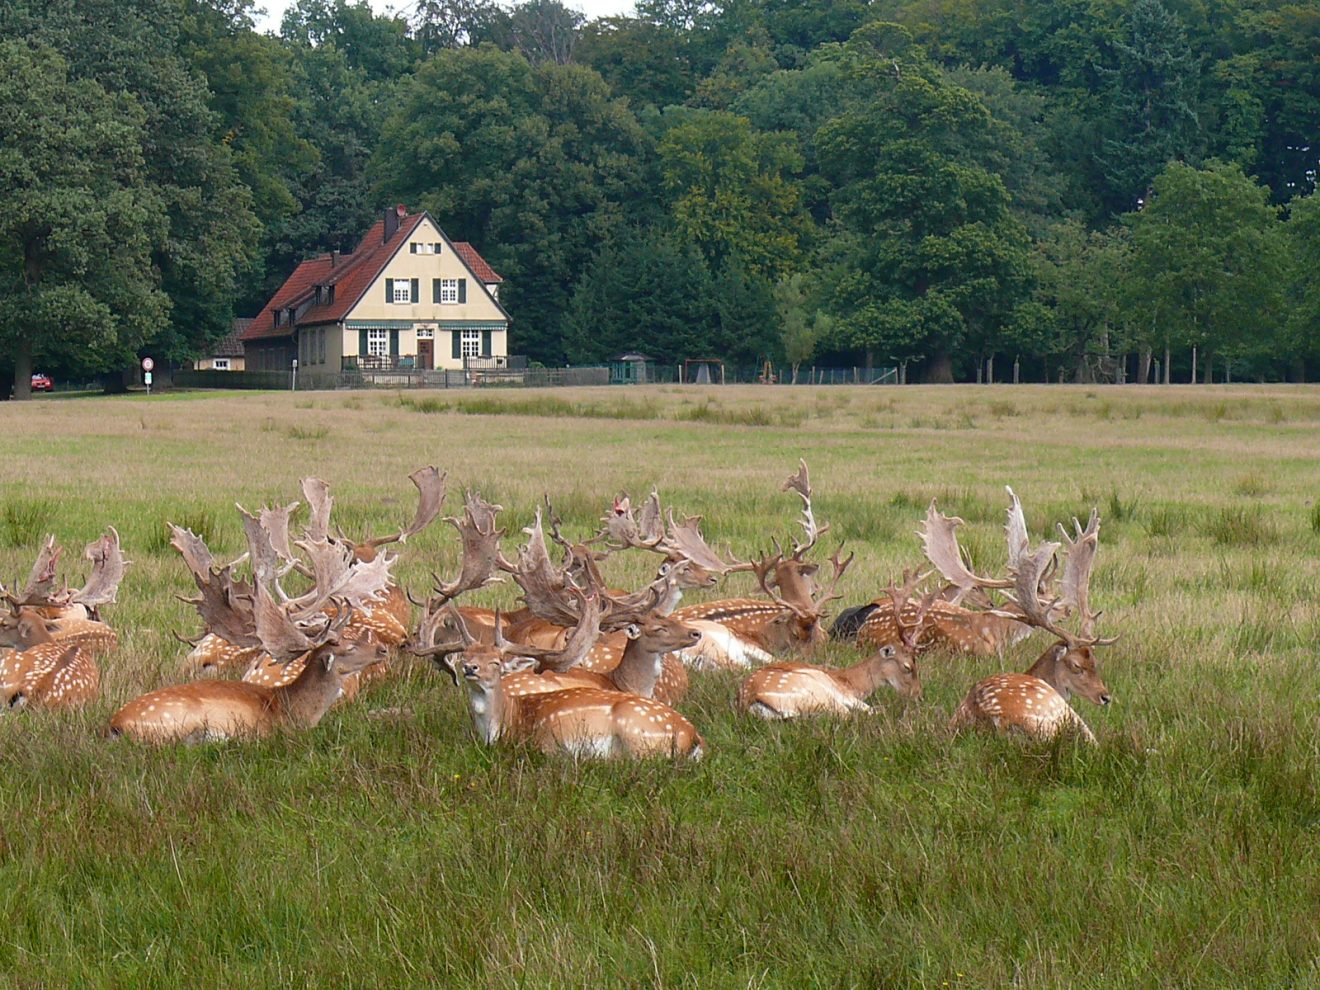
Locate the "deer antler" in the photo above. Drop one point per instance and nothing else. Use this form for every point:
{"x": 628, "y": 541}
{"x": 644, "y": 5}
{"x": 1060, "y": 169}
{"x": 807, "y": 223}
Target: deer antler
{"x": 41, "y": 579}
{"x": 480, "y": 541}
{"x": 801, "y": 483}
{"x": 431, "y": 491}
{"x": 320, "y": 502}
{"x": 910, "y": 632}
{"x": 939, "y": 539}
{"x": 225, "y": 605}
{"x": 1015, "y": 530}
{"x": 108, "y": 566}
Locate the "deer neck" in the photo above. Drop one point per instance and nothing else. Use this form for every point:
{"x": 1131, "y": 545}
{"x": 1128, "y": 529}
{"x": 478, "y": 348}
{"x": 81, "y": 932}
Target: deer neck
{"x": 673, "y": 595}
{"x": 489, "y": 709}
{"x": 1047, "y": 669}
{"x": 306, "y": 698}
{"x": 862, "y": 679}
{"x": 794, "y": 587}
{"x": 638, "y": 669}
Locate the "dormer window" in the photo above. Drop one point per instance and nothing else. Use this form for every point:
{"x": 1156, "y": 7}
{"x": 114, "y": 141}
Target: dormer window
{"x": 417, "y": 247}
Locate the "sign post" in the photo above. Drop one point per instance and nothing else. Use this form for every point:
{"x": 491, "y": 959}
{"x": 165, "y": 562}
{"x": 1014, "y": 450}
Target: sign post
{"x": 147, "y": 366}
{"x": 293, "y": 379}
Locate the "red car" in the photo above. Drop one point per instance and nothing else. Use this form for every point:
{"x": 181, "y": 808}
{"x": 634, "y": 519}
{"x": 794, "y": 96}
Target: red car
{"x": 42, "y": 383}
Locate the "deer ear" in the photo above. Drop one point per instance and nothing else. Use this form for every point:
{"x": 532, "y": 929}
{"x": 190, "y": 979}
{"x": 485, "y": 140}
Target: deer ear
{"x": 1060, "y": 651}
{"x": 514, "y": 664}
{"x": 810, "y": 570}
{"x": 633, "y": 631}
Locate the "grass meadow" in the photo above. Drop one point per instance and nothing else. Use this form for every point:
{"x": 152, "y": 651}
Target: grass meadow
{"x": 387, "y": 848}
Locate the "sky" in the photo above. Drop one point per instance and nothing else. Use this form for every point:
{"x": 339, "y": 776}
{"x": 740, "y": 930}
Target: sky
{"x": 592, "y": 8}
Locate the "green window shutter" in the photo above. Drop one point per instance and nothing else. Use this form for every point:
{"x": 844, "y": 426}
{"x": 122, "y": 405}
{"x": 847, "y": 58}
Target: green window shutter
{"x": 462, "y": 290}
{"x": 389, "y": 290}
{"x": 435, "y": 290}
{"x": 416, "y": 293}
{"x": 485, "y": 343}
{"x": 394, "y": 343}
{"x": 437, "y": 247}
{"x": 412, "y": 248}
{"x": 362, "y": 343}
{"x": 456, "y": 337}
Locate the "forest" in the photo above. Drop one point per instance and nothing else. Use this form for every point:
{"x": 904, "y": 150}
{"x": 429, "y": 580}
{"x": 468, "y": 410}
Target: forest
{"x": 1077, "y": 190}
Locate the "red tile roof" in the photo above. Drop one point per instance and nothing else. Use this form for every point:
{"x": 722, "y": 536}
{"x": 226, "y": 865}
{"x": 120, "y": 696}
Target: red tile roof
{"x": 476, "y": 262}
{"x": 351, "y": 275}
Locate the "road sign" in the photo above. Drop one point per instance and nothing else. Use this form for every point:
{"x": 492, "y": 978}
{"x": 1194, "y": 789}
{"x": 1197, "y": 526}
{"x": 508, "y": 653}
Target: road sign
{"x": 148, "y": 364}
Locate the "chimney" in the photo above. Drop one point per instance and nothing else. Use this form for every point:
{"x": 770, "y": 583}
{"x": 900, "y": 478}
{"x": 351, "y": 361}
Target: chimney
{"x": 391, "y": 224}
{"x": 334, "y": 258}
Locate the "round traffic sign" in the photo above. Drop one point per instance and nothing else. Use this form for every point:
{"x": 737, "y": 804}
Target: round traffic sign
{"x": 148, "y": 364}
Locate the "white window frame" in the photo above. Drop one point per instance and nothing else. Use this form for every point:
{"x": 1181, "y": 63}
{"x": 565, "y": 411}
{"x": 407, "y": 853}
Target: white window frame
{"x": 378, "y": 343}
{"x": 425, "y": 333}
{"x": 220, "y": 364}
{"x": 419, "y": 247}
{"x": 449, "y": 291}
{"x": 402, "y": 291}
{"x": 469, "y": 343}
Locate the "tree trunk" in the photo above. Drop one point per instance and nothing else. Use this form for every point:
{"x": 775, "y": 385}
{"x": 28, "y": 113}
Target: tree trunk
{"x": 1017, "y": 370}
{"x": 1167, "y": 377}
{"x": 990, "y": 370}
{"x": 1209, "y": 369}
{"x": 1143, "y": 366}
{"x": 940, "y": 370}
{"x": 795, "y": 372}
{"x": 23, "y": 370}
{"x": 1192, "y": 380}
{"x": 980, "y": 372}
{"x": 902, "y": 372}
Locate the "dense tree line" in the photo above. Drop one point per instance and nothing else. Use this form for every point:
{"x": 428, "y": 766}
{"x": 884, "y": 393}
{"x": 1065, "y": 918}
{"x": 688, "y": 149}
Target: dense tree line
{"x": 1070, "y": 190}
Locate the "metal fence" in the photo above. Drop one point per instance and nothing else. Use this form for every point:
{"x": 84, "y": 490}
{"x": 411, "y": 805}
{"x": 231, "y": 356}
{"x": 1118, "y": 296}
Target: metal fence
{"x": 513, "y": 377}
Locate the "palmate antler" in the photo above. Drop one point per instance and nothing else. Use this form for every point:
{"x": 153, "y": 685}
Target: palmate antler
{"x": 677, "y": 541}
{"x": 939, "y": 540}
{"x": 801, "y": 483}
{"x": 909, "y": 630}
{"x": 108, "y": 565}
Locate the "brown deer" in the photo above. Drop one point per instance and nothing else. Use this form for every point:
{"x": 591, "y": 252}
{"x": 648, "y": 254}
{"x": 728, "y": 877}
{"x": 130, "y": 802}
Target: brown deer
{"x": 789, "y": 690}
{"x": 746, "y": 632}
{"x": 583, "y": 722}
{"x": 387, "y": 619}
{"x": 249, "y": 615}
{"x": 1036, "y": 702}
{"x": 71, "y": 616}
{"x": 636, "y": 655}
{"x": 981, "y": 632}
{"x": 47, "y": 673}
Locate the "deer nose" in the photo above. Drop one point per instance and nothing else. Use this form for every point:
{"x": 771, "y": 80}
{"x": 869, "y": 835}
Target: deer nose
{"x": 1104, "y": 699}
{"x": 469, "y": 670}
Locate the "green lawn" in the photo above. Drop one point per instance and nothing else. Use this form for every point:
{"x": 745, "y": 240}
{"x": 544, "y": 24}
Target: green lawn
{"x": 387, "y": 848}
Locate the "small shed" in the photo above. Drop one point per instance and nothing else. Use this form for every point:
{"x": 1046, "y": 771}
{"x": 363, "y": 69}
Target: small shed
{"x": 632, "y": 369}
{"x": 226, "y": 354}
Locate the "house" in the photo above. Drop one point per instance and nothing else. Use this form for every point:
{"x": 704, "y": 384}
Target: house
{"x": 407, "y": 298}
{"x": 226, "y": 354}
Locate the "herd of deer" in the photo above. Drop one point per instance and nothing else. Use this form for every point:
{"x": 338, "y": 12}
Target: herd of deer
{"x": 580, "y": 667}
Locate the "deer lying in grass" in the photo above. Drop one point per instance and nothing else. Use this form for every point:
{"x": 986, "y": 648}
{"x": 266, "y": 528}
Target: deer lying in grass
{"x": 635, "y": 655}
{"x": 788, "y": 690}
{"x": 250, "y": 615}
{"x": 1036, "y": 702}
{"x": 56, "y": 635}
{"x": 387, "y": 619}
{"x": 747, "y": 632}
{"x": 583, "y": 722}
{"x": 69, "y": 617}
{"x": 981, "y": 632}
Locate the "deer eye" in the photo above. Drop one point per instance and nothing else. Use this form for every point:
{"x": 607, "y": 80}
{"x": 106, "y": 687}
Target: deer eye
{"x": 664, "y": 569}
{"x": 886, "y": 651}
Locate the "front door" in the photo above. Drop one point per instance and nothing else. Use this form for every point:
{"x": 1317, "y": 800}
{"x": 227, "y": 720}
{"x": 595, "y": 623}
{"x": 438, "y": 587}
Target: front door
{"x": 425, "y": 355}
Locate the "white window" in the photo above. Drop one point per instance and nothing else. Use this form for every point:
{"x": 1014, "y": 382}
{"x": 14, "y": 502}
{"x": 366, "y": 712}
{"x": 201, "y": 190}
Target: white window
{"x": 449, "y": 290}
{"x": 418, "y": 248}
{"x": 471, "y": 343}
{"x": 220, "y": 364}
{"x": 378, "y": 342}
{"x": 402, "y": 290}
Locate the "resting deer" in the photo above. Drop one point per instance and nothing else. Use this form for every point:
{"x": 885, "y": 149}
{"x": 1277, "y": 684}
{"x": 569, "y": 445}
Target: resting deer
{"x": 70, "y": 616}
{"x": 636, "y": 654}
{"x": 747, "y": 632}
{"x": 249, "y": 615}
{"x": 583, "y": 722}
{"x": 1036, "y": 702}
{"x": 387, "y": 619}
{"x": 980, "y": 632}
{"x": 46, "y": 672}
{"x": 788, "y": 690}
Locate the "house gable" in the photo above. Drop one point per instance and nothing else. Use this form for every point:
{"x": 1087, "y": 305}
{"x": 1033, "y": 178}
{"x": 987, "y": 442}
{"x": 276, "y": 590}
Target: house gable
{"x": 467, "y": 298}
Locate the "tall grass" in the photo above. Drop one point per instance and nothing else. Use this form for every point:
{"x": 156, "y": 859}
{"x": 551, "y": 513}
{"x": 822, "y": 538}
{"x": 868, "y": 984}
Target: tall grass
{"x": 394, "y": 850}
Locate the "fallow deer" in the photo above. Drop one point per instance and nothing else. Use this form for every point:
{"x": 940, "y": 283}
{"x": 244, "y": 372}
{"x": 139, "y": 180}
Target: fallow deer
{"x": 583, "y": 722}
{"x": 981, "y": 632}
{"x": 71, "y": 616}
{"x": 746, "y": 632}
{"x": 788, "y": 690}
{"x": 387, "y": 619}
{"x": 1036, "y": 702}
{"x": 287, "y": 629}
{"x": 46, "y": 672}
